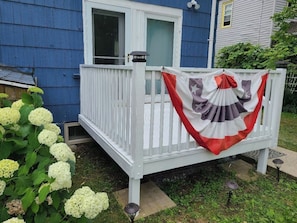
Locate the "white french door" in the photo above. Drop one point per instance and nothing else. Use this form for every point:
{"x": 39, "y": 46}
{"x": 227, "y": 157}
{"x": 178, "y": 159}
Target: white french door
{"x": 115, "y": 28}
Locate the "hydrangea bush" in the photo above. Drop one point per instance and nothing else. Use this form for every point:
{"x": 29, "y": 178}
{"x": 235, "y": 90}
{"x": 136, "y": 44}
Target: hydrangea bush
{"x": 36, "y": 167}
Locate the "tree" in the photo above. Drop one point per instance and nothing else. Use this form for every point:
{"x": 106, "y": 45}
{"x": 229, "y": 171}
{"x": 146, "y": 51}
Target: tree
{"x": 284, "y": 39}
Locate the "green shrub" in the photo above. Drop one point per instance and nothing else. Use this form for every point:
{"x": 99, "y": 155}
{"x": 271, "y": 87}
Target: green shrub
{"x": 36, "y": 167}
{"x": 242, "y": 55}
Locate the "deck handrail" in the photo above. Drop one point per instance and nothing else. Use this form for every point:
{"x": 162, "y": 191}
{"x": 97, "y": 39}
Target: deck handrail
{"x": 113, "y": 97}
{"x": 113, "y": 101}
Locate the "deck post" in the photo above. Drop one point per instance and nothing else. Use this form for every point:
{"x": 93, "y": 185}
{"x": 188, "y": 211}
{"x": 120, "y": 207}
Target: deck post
{"x": 137, "y": 123}
{"x": 262, "y": 160}
{"x": 134, "y": 191}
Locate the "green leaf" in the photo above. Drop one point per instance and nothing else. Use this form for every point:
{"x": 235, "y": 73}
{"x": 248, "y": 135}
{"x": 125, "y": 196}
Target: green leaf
{"x": 22, "y": 183}
{"x": 37, "y": 100}
{"x": 40, "y": 217}
{"x": 27, "y": 99}
{"x": 23, "y": 170}
{"x": 40, "y": 178}
{"x": 72, "y": 167}
{"x": 6, "y": 103}
{"x": 5, "y": 149}
{"x": 55, "y": 217}
{"x": 30, "y": 159}
{"x": 9, "y": 191}
{"x": 44, "y": 151}
{"x": 19, "y": 142}
{"x": 34, "y": 207}
{"x": 56, "y": 199}
{"x": 33, "y": 140}
{"x": 25, "y": 111}
{"x": 3, "y": 213}
{"x": 25, "y": 130}
{"x": 43, "y": 193}
{"x": 28, "y": 198}
{"x": 44, "y": 162}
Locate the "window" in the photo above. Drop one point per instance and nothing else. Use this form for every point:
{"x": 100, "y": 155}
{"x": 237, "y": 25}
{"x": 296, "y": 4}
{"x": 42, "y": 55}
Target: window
{"x": 227, "y": 14}
{"x": 108, "y": 37}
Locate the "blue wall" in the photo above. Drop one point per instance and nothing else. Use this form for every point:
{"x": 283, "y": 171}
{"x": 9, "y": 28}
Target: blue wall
{"x": 47, "y": 35}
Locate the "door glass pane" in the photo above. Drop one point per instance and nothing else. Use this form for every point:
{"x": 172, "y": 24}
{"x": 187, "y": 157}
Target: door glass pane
{"x": 159, "y": 42}
{"x": 109, "y": 37}
{"x": 159, "y": 46}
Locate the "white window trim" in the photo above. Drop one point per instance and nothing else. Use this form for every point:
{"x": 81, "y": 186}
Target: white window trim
{"x": 136, "y": 15}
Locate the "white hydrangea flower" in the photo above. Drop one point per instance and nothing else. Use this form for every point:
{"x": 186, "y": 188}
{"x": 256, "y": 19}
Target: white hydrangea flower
{"x": 92, "y": 206}
{"x": 9, "y": 116}
{"x": 14, "y": 220}
{"x": 104, "y": 199}
{"x": 62, "y": 152}
{"x": 17, "y": 104}
{"x": 40, "y": 116}
{"x": 60, "y": 171}
{"x": 47, "y": 137}
{"x": 8, "y": 167}
{"x": 2, "y": 187}
{"x": 87, "y": 202}
{"x": 85, "y": 190}
{"x": 73, "y": 206}
{"x": 53, "y": 127}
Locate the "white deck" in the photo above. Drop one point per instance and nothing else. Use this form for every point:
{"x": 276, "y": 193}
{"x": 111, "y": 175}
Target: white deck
{"x": 143, "y": 133}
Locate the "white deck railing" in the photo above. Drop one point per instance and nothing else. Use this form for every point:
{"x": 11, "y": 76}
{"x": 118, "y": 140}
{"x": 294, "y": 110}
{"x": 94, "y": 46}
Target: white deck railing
{"x": 142, "y": 133}
{"x": 113, "y": 99}
{"x": 105, "y": 94}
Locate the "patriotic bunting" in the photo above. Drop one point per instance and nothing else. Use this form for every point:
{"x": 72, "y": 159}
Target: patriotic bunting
{"x": 218, "y": 109}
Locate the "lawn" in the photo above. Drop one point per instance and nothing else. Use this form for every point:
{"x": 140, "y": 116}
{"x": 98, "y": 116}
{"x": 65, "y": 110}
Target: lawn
{"x": 288, "y": 131}
{"x": 200, "y": 195}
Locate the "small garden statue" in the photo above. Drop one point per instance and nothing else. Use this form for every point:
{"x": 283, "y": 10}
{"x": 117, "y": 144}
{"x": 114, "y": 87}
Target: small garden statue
{"x": 36, "y": 167}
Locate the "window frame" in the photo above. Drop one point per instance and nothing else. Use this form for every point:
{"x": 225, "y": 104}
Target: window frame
{"x": 223, "y": 17}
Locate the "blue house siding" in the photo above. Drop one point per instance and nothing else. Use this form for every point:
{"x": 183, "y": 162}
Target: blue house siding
{"x": 195, "y": 31}
{"x": 47, "y": 36}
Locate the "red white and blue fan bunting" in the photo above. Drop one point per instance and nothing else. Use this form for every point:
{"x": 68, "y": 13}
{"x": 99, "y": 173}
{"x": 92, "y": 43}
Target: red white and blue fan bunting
{"x": 218, "y": 109}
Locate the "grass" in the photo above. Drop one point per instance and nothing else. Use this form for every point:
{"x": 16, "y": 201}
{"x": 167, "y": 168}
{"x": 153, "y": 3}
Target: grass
{"x": 200, "y": 194}
{"x": 288, "y": 130}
